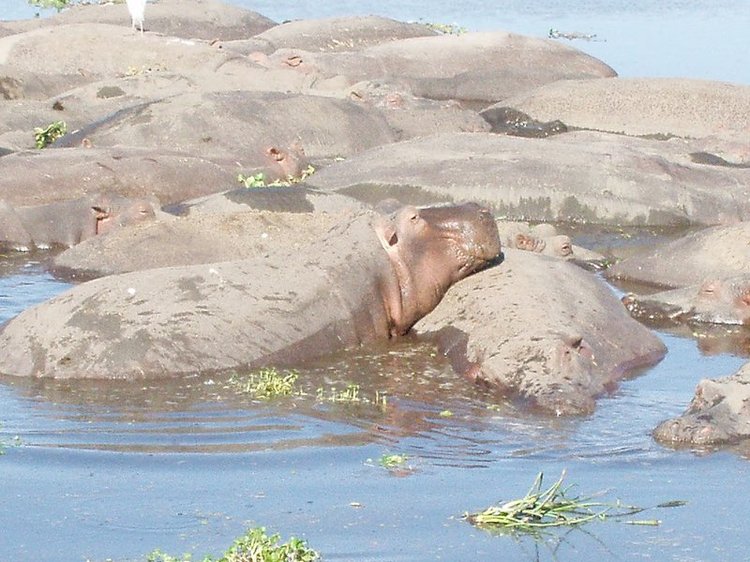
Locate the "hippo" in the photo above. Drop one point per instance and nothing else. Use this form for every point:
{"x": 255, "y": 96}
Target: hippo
{"x": 715, "y": 301}
{"x": 371, "y": 277}
{"x": 541, "y": 331}
{"x": 718, "y": 251}
{"x": 233, "y": 225}
{"x": 717, "y": 415}
{"x": 67, "y": 223}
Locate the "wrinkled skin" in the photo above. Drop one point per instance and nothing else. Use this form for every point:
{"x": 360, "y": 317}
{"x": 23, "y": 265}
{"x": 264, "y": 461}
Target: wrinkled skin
{"x": 278, "y": 310}
{"x": 719, "y": 414}
{"x": 541, "y": 330}
{"x": 70, "y": 222}
{"x": 715, "y": 301}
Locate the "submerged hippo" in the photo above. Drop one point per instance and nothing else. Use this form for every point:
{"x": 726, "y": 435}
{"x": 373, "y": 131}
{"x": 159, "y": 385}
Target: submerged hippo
{"x": 717, "y": 415}
{"x": 371, "y": 278}
{"x": 69, "y": 222}
{"x": 715, "y": 301}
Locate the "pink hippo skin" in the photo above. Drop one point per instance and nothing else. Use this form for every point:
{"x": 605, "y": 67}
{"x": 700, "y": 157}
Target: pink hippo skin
{"x": 370, "y": 278}
{"x": 69, "y": 222}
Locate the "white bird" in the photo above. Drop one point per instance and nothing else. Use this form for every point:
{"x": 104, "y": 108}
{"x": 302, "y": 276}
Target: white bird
{"x": 137, "y": 9}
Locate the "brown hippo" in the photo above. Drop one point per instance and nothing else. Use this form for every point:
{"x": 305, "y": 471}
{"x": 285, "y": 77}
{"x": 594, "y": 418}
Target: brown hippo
{"x": 715, "y": 301}
{"x": 371, "y": 278}
{"x": 70, "y": 222}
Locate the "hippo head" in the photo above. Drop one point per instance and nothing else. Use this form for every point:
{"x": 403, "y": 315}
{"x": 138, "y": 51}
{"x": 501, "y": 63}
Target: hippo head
{"x": 432, "y": 248}
{"x": 113, "y": 211}
{"x": 285, "y": 163}
{"x": 716, "y": 301}
{"x": 723, "y": 301}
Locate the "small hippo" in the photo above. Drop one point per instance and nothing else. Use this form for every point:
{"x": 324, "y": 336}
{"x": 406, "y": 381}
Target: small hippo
{"x": 370, "y": 278}
{"x": 717, "y": 415}
{"x": 69, "y": 222}
{"x": 715, "y": 301}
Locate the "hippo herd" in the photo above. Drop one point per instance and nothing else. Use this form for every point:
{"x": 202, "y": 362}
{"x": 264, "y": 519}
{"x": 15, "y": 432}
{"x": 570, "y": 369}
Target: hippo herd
{"x": 440, "y": 163}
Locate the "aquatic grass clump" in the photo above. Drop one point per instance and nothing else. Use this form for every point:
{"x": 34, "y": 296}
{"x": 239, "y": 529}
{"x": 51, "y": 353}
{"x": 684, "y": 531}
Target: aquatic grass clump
{"x": 266, "y": 384}
{"x": 553, "y": 507}
{"x": 254, "y": 546}
{"x": 45, "y": 136}
{"x": 391, "y": 461}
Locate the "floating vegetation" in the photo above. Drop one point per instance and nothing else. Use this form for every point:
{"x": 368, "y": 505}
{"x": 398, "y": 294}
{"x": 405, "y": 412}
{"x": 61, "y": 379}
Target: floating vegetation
{"x": 396, "y": 464}
{"x": 349, "y": 395}
{"x": 391, "y": 461}
{"x": 46, "y": 136}
{"x": 4, "y": 444}
{"x": 554, "y": 507}
{"x": 254, "y": 546}
{"x": 259, "y": 179}
{"x": 266, "y": 384}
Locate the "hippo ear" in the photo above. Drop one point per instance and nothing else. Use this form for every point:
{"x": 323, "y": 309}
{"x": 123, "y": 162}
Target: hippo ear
{"x": 100, "y": 212}
{"x": 276, "y": 153}
{"x": 387, "y": 234}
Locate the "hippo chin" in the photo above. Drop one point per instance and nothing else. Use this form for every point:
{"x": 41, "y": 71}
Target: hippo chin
{"x": 370, "y": 278}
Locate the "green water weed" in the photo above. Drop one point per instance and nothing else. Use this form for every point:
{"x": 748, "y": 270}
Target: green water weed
{"x": 266, "y": 384}
{"x": 542, "y": 509}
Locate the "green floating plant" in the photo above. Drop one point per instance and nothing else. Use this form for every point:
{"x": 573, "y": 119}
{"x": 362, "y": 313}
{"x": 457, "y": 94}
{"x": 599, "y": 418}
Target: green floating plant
{"x": 553, "y": 507}
{"x": 266, "y": 383}
{"x": 254, "y": 546}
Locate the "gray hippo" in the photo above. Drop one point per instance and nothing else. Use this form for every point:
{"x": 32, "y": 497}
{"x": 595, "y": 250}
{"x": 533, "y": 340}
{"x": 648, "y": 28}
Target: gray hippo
{"x": 715, "y": 301}
{"x": 233, "y": 225}
{"x": 541, "y": 330}
{"x": 371, "y": 278}
{"x": 67, "y": 223}
{"x": 719, "y": 251}
{"x": 717, "y": 415}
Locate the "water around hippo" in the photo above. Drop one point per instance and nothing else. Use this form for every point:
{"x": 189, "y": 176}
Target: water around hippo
{"x": 116, "y": 470}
